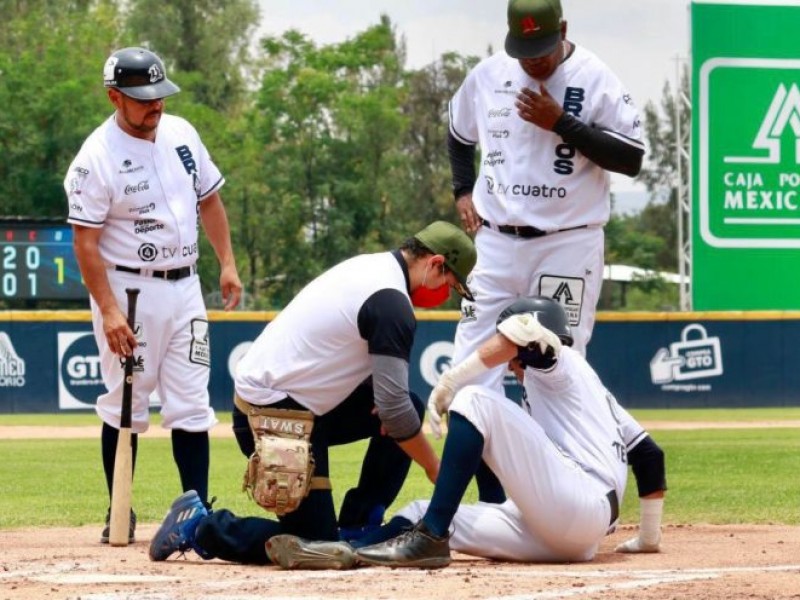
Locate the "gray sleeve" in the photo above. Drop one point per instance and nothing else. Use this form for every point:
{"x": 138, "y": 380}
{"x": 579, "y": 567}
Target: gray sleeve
{"x": 390, "y": 385}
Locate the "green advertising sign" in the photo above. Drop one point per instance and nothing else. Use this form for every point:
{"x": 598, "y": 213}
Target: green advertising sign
{"x": 746, "y": 155}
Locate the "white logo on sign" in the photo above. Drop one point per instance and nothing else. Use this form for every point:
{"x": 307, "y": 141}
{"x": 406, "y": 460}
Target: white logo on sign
{"x": 236, "y": 355}
{"x": 435, "y": 360}
{"x": 12, "y": 367}
{"x": 687, "y": 359}
{"x": 783, "y": 112}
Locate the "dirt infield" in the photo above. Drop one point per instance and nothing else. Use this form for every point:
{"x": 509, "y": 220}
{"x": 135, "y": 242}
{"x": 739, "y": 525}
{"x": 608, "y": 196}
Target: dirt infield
{"x": 698, "y": 562}
{"x": 730, "y": 562}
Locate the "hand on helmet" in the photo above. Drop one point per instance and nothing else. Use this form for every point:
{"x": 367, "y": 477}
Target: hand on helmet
{"x": 524, "y": 329}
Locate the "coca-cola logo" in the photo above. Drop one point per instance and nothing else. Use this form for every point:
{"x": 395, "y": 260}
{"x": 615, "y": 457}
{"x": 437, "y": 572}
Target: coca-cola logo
{"x": 135, "y": 189}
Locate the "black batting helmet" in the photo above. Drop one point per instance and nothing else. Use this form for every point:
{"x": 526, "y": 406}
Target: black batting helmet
{"x": 138, "y": 73}
{"x": 550, "y": 313}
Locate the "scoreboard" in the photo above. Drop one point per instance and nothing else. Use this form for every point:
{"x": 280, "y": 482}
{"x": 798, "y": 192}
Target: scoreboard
{"x": 37, "y": 261}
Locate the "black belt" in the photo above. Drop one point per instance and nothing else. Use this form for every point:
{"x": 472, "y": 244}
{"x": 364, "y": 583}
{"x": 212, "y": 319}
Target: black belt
{"x": 524, "y": 231}
{"x": 169, "y": 275}
{"x": 613, "y": 501}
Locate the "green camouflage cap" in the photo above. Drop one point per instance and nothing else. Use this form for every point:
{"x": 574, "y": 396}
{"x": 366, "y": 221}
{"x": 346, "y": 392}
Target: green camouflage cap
{"x": 534, "y": 27}
{"x": 441, "y": 237}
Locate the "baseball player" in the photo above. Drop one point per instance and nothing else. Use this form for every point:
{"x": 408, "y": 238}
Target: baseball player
{"x": 331, "y": 369}
{"x": 562, "y": 455}
{"x": 137, "y": 191}
{"x": 551, "y": 120}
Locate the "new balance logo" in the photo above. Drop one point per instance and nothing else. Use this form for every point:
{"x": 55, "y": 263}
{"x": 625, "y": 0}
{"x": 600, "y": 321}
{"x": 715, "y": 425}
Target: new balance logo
{"x": 783, "y": 113}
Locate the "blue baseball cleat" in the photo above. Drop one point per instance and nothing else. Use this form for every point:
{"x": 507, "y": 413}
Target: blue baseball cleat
{"x": 176, "y": 533}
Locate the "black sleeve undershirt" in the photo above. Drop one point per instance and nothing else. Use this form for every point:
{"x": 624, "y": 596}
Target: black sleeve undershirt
{"x": 462, "y": 165}
{"x": 647, "y": 462}
{"x": 606, "y": 151}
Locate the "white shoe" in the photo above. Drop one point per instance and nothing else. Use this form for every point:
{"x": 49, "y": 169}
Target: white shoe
{"x": 637, "y": 546}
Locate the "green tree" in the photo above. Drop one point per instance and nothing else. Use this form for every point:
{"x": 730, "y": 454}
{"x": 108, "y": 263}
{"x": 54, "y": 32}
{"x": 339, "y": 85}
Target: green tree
{"x": 649, "y": 239}
{"x": 52, "y": 96}
{"x": 207, "y": 41}
{"x": 329, "y": 123}
{"x": 661, "y": 170}
{"x": 428, "y": 179}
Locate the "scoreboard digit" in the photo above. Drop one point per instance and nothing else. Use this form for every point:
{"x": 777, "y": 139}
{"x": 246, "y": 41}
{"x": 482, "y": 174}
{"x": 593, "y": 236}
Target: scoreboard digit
{"x": 38, "y": 262}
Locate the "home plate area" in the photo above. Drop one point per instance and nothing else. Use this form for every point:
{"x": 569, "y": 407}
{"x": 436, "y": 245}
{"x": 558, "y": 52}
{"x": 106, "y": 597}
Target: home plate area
{"x": 697, "y": 561}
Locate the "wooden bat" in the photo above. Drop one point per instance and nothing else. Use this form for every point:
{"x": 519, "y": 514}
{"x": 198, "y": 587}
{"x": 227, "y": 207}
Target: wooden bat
{"x": 123, "y": 462}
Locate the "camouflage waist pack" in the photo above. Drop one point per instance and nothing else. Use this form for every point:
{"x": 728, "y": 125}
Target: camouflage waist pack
{"x": 279, "y": 472}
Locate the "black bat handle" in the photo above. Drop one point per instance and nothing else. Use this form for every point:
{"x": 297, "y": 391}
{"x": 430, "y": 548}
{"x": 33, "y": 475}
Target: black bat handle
{"x": 127, "y": 388}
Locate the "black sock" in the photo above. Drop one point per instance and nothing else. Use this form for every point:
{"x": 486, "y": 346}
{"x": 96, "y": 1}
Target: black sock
{"x": 489, "y": 487}
{"x": 460, "y": 458}
{"x": 108, "y": 446}
{"x": 242, "y": 432}
{"x": 392, "y": 529}
{"x": 190, "y": 449}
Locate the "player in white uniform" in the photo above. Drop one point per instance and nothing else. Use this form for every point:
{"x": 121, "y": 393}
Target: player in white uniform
{"x": 339, "y": 355}
{"x": 563, "y": 456}
{"x": 565, "y": 467}
{"x": 137, "y": 190}
{"x": 551, "y": 120}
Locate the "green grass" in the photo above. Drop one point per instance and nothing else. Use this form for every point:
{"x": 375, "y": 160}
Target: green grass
{"x": 792, "y": 413}
{"x": 714, "y": 476}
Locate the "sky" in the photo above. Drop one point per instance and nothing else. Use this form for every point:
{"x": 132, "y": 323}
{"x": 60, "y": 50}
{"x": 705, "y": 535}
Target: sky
{"x": 640, "y": 40}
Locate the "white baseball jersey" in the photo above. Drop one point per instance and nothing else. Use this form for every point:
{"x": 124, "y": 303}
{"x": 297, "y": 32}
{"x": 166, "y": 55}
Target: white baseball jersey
{"x": 530, "y": 176}
{"x": 317, "y": 350}
{"x": 144, "y": 194}
{"x": 557, "y": 466}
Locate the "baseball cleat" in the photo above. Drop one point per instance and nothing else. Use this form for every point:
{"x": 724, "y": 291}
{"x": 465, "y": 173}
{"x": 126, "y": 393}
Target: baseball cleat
{"x": 292, "y": 552}
{"x": 415, "y": 548}
{"x": 176, "y": 533}
{"x": 107, "y": 529}
{"x": 637, "y": 546}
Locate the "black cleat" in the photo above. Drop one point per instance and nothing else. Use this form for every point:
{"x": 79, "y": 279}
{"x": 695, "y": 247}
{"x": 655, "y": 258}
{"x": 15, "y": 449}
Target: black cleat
{"x": 415, "y": 548}
{"x": 107, "y": 529}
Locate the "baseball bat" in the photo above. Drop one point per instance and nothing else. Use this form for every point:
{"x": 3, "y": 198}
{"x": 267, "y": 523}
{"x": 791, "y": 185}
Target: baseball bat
{"x": 123, "y": 460}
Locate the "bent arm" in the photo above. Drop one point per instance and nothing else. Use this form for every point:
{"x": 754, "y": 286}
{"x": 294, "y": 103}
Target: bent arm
{"x": 612, "y": 152}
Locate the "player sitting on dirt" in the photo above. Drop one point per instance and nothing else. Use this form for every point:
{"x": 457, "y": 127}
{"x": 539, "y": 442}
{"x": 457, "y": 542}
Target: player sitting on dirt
{"x": 565, "y": 468}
